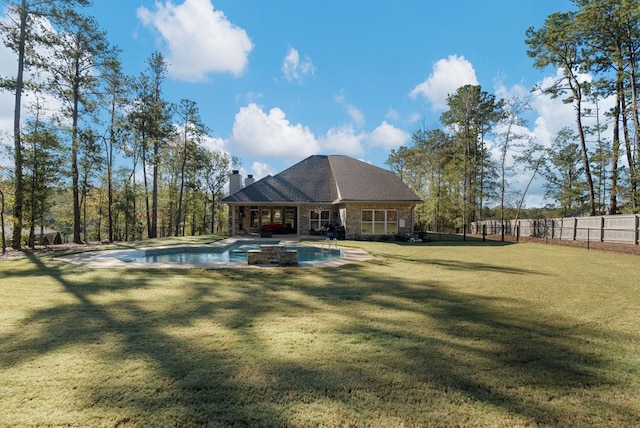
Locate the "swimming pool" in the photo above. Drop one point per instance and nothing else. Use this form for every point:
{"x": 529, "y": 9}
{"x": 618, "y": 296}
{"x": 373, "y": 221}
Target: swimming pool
{"x": 232, "y": 253}
{"x": 115, "y": 258}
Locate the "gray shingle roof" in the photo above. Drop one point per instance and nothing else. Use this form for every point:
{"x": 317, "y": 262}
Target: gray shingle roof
{"x": 327, "y": 179}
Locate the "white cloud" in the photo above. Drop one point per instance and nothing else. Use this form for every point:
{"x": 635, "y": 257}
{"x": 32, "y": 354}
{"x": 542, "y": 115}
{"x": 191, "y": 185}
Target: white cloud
{"x": 260, "y": 134}
{"x": 256, "y": 133}
{"x": 214, "y": 144}
{"x": 446, "y": 77}
{"x": 294, "y": 69}
{"x": 343, "y": 140}
{"x": 356, "y": 115}
{"x": 200, "y": 39}
{"x": 261, "y": 170}
{"x": 414, "y": 118}
{"x": 388, "y": 136}
{"x": 392, "y": 114}
{"x": 551, "y": 113}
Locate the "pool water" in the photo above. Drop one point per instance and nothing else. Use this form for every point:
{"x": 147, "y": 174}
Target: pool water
{"x": 232, "y": 253}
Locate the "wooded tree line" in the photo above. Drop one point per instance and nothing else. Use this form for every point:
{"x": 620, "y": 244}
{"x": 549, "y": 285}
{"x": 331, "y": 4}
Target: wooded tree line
{"x": 65, "y": 174}
{"x": 590, "y": 167}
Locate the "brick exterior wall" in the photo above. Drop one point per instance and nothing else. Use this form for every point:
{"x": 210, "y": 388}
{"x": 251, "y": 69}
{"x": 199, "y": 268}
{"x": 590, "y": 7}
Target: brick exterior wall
{"x": 347, "y": 214}
{"x": 354, "y": 217}
{"x": 274, "y": 255}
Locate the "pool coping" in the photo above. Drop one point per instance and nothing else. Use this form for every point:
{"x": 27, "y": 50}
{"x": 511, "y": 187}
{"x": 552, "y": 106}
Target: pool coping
{"x": 109, "y": 258}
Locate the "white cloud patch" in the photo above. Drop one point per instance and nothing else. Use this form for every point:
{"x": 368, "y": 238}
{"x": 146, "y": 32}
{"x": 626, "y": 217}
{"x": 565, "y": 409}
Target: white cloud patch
{"x": 215, "y": 144}
{"x": 355, "y": 114}
{"x": 446, "y": 77}
{"x": 261, "y": 170}
{"x": 552, "y": 114}
{"x": 294, "y": 69}
{"x": 392, "y": 114}
{"x": 388, "y": 136}
{"x": 344, "y": 140}
{"x": 256, "y": 133}
{"x": 200, "y": 40}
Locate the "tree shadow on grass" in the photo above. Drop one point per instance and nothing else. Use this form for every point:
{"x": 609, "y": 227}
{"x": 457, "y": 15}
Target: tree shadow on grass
{"x": 493, "y": 351}
{"x": 170, "y": 394}
{"x": 348, "y": 346}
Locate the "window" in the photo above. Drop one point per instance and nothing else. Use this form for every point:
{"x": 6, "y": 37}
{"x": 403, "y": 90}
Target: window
{"x": 265, "y": 215}
{"x": 318, "y": 219}
{"x": 290, "y": 216}
{"x": 254, "y": 222}
{"x": 277, "y": 216}
{"x": 379, "y": 222}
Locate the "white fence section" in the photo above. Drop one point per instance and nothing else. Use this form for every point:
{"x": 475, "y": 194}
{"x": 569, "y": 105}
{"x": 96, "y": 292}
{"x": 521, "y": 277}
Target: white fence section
{"x": 618, "y": 228}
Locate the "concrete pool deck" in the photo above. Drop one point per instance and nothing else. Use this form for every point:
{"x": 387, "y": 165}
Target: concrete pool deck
{"x": 110, "y": 259}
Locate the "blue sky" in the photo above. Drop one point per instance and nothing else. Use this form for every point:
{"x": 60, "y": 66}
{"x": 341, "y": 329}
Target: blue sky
{"x": 279, "y": 80}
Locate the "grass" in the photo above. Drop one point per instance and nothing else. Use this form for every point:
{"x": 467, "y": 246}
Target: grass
{"x": 437, "y": 334}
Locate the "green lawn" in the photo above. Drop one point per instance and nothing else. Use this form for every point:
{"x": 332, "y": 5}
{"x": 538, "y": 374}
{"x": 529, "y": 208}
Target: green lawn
{"x": 436, "y": 334}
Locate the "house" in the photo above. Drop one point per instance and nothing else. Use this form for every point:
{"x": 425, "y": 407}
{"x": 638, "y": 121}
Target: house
{"x": 43, "y": 235}
{"x": 360, "y": 200}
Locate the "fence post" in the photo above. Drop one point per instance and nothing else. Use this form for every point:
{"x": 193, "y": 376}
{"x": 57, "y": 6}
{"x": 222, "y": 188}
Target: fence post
{"x": 484, "y": 232}
{"x": 601, "y": 229}
{"x": 575, "y": 228}
{"x": 518, "y": 232}
{"x": 546, "y": 230}
{"x": 637, "y": 227}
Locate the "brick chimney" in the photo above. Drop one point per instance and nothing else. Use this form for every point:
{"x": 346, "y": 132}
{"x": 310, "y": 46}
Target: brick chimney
{"x": 235, "y": 182}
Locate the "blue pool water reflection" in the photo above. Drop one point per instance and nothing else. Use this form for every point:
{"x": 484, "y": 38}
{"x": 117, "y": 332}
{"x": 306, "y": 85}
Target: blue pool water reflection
{"x": 232, "y": 253}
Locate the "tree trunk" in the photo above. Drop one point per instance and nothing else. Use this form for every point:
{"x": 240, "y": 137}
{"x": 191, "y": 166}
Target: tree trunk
{"x": 153, "y": 233}
{"x": 615, "y": 154}
{"x": 585, "y": 153}
{"x": 633, "y": 178}
{"x": 19, "y": 186}
{"x": 77, "y": 239}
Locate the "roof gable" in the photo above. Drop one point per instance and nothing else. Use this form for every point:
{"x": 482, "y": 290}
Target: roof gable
{"x": 359, "y": 181}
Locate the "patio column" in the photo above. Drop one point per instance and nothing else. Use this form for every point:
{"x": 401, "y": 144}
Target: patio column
{"x": 233, "y": 221}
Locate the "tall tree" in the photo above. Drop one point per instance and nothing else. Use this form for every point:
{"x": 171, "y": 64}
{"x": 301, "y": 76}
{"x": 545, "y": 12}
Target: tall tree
{"x": 117, "y": 88}
{"x": 161, "y": 128}
{"x": 559, "y": 43}
{"x": 565, "y": 174}
{"x": 152, "y": 128}
{"x": 431, "y": 167}
{"x": 216, "y": 175}
{"x": 89, "y": 163}
{"x": 25, "y": 34}
{"x": 81, "y": 49}
{"x": 43, "y": 159}
{"x": 191, "y": 134}
{"x": 611, "y": 30}
{"x": 510, "y": 133}
{"x": 471, "y": 116}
